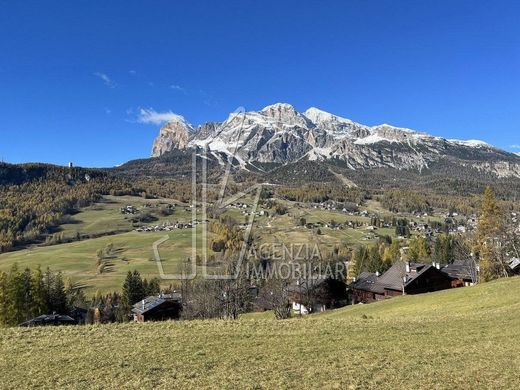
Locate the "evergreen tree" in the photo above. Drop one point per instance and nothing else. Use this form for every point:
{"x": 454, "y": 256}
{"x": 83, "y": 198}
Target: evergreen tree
{"x": 154, "y": 287}
{"x": 39, "y": 299}
{"x": 133, "y": 290}
{"x": 443, "y": 249}
{"x": 375, "y": 262}
{"x": 58, "y": 297}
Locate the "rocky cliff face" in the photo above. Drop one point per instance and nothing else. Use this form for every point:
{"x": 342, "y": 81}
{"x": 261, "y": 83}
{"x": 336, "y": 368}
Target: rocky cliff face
{"x": 173, "y": 135}
{"x": 280, "y": 134}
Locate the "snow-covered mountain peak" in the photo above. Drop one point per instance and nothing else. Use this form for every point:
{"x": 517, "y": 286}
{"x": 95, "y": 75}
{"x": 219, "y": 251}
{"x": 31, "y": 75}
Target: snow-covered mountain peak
{"x": 286, "y": 114}
{"x": 318, "y": 116}
{"x": 278, "y": 107}
{"x": 280, "y": 134}
{"x": 178, "y": 120}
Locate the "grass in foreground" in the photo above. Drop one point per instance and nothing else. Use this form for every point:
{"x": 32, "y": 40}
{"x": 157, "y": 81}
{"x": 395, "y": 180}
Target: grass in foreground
{"x": 465, "y": 338}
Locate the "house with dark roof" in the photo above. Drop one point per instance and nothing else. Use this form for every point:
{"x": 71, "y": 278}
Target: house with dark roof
{"x": 401, "y": 279}
{"x": 461, "y": 273}
{"x": 158, "y": 308}
{"x": 366, "y": 289}
{"x": 50, "y": 320}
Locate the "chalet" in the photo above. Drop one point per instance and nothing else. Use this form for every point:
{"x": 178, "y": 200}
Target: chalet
{"x": 461, "y": 273}
{"x": 366, "y": 289}
{"x": 50, "y": 320}
{"x": 402, "y": 278}
{"x": 158, "y": 308}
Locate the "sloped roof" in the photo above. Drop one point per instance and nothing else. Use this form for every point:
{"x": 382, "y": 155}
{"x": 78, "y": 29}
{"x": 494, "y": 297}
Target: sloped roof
{"x": 395, "y": 277}
{"x": 460, "y": 271}
{"x": 152, "y": 302}
{"x": 514, "y": 263}
{"x": 303, "y": 285}
{"x": 50, "y": 319}
{"x": 368, "y": 281}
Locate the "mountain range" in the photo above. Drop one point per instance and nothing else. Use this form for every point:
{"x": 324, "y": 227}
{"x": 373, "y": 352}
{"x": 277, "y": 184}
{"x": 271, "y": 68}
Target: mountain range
{"x": 279, "y": 135}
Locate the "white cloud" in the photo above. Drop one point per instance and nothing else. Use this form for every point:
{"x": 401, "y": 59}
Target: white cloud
{"x": 515, "y": 146}
{"x": 106, "y": 80}
{"x": 177, "y": 88}
{"x": 132, "y": 72}
{"x": 149, "y": 115}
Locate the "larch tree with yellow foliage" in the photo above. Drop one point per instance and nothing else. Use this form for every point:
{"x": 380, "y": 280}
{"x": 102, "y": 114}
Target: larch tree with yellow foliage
{"x": 489, "y": 237}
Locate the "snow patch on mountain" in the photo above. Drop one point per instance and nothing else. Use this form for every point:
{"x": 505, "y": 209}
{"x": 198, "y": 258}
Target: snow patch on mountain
{"x": 473, "y": 143}
{"x": 319, "y": 116}
{"x": 372, "y": 139}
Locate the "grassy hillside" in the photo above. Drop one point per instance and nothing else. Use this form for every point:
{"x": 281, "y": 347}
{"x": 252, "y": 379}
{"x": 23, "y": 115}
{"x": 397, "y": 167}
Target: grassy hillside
{"x": 133, "y": 251}
{"x": 465, "y": 338}
{"x": 105, "y": 217}
{"x": 104, "y": 224}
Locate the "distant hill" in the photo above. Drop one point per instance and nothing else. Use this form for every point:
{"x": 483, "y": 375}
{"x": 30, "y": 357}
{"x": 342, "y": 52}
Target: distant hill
{"x": 440, "y": 177}
{"x": 22, "y": 173}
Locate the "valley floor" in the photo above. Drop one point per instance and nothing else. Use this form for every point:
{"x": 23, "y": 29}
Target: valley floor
{"x": 464, "y": 338}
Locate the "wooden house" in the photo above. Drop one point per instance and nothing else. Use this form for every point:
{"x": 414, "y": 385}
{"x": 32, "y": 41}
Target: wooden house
{"x": 461, "y": 273}
{"x": 158, "y": 308}
{"x": 401, "y": 279}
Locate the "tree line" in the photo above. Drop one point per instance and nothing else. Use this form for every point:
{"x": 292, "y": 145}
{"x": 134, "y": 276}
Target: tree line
{"x": 26, "y": 294}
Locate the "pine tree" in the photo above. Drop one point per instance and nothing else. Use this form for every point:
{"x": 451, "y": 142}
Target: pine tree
{"x": 352, "y": 270}
{"x": 39, "y": 300}
{"x": 13, "y": 312}
{"x": 443, "y": 249}
{"x": 154, "y": 287}
{"x": 58, "y": 295}
{"x": 375, "y": 263}
{"x": 133, "y": 290}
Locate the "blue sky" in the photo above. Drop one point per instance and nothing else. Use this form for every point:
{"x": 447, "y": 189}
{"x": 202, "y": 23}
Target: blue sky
{"x": 75, "y": 74}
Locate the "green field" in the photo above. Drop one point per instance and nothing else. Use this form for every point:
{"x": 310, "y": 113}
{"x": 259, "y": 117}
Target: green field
{"x": 464, "y": 338}
{"x": 104, "y": 224}
{"x": 133, "y": 251}
{"x": 105, "y": 216}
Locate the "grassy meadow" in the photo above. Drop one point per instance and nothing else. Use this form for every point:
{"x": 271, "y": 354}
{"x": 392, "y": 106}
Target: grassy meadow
{"x": 464, "y": 338}
{"x": 132, "y": 251}
{"x": 105, "y": 224}
{"x": 105, "y": 216}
